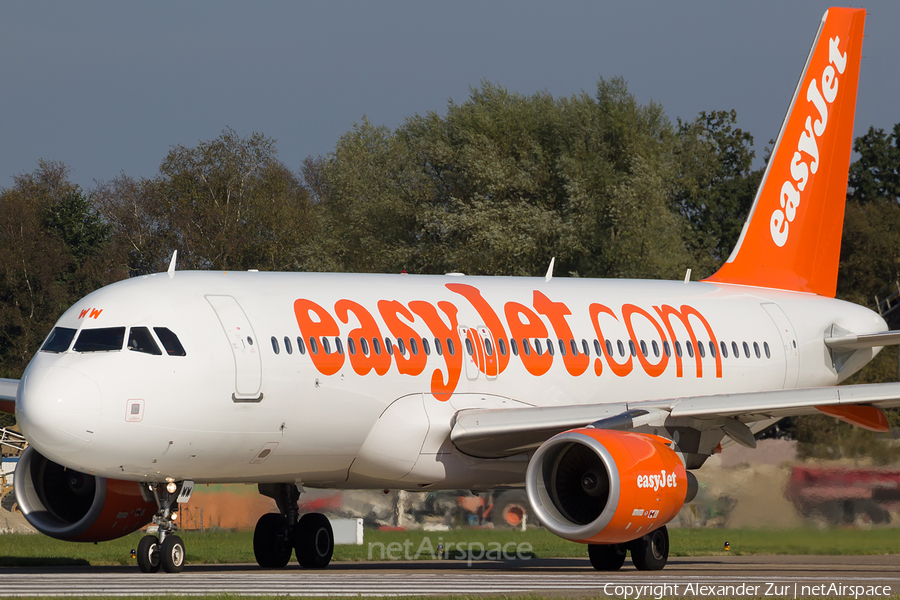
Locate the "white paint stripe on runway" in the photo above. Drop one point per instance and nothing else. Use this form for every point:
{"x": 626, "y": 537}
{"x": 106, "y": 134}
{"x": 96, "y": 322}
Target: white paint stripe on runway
{"x": 343, "y": 584}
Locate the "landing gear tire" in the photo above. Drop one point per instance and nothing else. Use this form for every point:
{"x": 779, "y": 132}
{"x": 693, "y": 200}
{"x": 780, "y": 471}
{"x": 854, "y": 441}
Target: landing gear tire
{"x": 313, "y": 541}
{"x": 607, "y": 557}
{"x": 171, "y": 554}
{"x": 651, "y": 552}
{"x": 148, "y": 554}
{"x": 272, "y": 541}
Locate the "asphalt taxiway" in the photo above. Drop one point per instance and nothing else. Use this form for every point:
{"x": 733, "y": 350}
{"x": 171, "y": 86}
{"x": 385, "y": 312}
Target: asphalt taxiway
{"x": 781, "y": 576}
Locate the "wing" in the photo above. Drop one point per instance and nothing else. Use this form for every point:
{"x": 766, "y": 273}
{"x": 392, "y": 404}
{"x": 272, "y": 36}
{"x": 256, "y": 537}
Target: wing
{"x": 504, "y": 432}
{"x": 8, "y": 389}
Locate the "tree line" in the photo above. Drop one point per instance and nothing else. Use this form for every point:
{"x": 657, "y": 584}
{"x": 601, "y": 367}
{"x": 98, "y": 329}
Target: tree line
{"x": 495, "y": 185}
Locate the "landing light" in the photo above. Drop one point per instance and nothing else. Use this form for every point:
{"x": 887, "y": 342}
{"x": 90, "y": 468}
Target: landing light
{"x": 171, "y": 487}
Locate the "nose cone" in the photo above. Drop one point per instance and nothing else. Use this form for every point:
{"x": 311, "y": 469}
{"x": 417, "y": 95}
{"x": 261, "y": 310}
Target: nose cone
{"x": 58, "y": 410}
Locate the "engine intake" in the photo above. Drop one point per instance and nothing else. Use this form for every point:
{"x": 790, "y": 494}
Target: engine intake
{"x": 76, "y": 507}
{"x": 602, "y": 486}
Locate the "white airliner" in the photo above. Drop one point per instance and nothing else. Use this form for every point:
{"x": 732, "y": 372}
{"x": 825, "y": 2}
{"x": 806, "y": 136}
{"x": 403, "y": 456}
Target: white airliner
{"x": 598, "y": 395}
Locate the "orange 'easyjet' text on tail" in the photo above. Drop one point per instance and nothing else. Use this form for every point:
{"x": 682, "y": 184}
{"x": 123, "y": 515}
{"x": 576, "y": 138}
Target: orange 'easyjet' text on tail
{"x": 792, "y": 238}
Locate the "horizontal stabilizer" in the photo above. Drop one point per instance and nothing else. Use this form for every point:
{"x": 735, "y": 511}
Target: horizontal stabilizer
{"x": 861, "y": 342}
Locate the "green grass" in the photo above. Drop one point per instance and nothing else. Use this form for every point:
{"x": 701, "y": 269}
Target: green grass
{"x": 237, "y": 547}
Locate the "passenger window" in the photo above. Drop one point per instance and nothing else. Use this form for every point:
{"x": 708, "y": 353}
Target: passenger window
{"x": 746, "y": 350}
{"x": 597, "y": 350}
{"x": 275, "y": 345}
{"x": 712, "y": 349}
{"x": 550, "y": 349}
{"x": 537, "y": 347}
{"x": 701, "y": 350}
{"x": 59, "y": 340}
{"x": 376, "y": 344}
{"x": 450, "y": 347}
{"x": 170, "y": 341}
{"x": 389, "y": 346}
{"x": 756, "y": 349}
{"x": 326, "y": 345}
{"x": 426, "y": 347}
{"x": 526, "y": 347}
{"x": 574, "y": 347}
{"x": 690, "y": 348}
{"x": 313, "y": 345}
{"x": 488, "y": 347}
{"x": 364, "y": 345}
{"x": 724, "y": 348}
{"x": 678, "y": 349}
{"x": 644, "y": 348}
{"x": 621, "y": 347}
{"x": 502, "y": 345}
{"x": 105, "y": 339}
{"x": 766, "y": 348}
{"x": 351, "y": 346}
{"x": 413, "y": 346}
{"x": 469, "y": 347}
{"x": 655, "y": 349}
{"x": 631, "y": 349}
{"x": 585, "y": 347}
{"x": 339, "y": 345}
{"x": 562, "y": 347}
{"x": 609, "y": 350}
{"x": 437, "y": 347}
{"x": 734, "y": 350}
{"x": 287, "y": 345}
{"x": 301, "y": 347}
{"x": 514, "y": 346}
{"x": 140, "y": 340}
{"x": 401, "y": 346}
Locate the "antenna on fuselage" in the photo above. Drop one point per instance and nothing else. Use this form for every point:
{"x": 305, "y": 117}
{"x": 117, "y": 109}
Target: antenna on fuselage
{"x": 549, "y": 274}
{"x": 171, "y": 270}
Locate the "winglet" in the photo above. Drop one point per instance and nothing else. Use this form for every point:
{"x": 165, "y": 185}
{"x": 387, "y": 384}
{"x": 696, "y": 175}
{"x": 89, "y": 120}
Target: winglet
{"x": 549, "y": 274}
{"x": 792, "y": 237}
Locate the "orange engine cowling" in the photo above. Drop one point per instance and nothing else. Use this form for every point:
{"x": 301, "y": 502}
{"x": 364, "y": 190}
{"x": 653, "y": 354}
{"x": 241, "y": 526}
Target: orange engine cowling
{"x": 76, "y": 507}
{"x": 605, "y": 487}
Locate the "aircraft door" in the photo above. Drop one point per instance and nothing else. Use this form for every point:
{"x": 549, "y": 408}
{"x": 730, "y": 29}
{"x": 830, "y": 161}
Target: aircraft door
{"x": 788, "y": 341}
{"x": 468, "y": 336}
{"x": 244, "y": 347}
{"x": 491, "y": 360}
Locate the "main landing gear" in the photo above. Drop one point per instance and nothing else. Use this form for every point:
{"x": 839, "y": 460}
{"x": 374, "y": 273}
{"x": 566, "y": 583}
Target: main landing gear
{"x": 648, "y": 553}
{"x": 277, "y": 536}
{"x": 166, "y": 549}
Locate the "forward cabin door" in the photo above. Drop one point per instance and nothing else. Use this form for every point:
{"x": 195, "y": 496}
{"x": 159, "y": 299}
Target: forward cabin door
{"x": 244, "y": 347}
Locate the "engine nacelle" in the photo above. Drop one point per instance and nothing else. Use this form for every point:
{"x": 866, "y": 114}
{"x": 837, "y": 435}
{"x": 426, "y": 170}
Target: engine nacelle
{"x": 75, "y": 507}
{"x": 604, "y": 487}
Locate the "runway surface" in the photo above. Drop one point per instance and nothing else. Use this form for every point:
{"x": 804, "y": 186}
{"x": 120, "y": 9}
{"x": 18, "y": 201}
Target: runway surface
{"x": 781, "y": 576}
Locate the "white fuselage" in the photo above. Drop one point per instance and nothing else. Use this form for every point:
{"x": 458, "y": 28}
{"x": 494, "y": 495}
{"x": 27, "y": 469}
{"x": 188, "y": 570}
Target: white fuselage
{"x": 235, "y": 410}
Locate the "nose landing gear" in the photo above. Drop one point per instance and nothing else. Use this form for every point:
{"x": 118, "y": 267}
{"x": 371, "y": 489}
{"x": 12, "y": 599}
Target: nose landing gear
{"x": 278, "y": 535}
{"x": 166, "y": 550}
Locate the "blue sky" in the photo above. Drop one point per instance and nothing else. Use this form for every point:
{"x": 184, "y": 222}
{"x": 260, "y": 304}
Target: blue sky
{"x": 107, "y": 87}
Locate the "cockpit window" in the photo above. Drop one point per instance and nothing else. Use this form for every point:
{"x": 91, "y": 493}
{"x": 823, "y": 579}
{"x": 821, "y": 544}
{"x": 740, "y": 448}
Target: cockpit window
{"x": 170, "y": 341}
{"x": 140, "y": 340}
{"x": 59, "y": 340}
{"x": 104, "y": 339}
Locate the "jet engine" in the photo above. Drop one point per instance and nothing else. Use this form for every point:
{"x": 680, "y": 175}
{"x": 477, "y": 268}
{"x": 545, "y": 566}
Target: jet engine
{"x": 76, "y": 507}
{"x": 602, "y": 486}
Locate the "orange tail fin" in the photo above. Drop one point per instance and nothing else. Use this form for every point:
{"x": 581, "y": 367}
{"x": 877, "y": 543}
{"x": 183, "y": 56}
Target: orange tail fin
{"x": 792, "y": 238}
